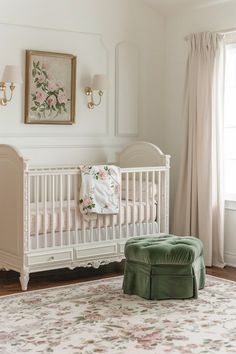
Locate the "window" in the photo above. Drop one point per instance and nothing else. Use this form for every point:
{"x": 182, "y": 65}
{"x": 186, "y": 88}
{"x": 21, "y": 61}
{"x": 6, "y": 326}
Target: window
{"x": 230, "y": 123}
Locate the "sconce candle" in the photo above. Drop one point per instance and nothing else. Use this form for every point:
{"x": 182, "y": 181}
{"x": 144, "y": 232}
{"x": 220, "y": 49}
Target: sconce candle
{"x": 10, "y": 75}
{"x": 99, "y": 84}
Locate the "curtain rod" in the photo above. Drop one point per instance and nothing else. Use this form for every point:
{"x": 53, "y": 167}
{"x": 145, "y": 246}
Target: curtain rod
{"x": 225, "y": 31}
{"x": 228, "y": 31}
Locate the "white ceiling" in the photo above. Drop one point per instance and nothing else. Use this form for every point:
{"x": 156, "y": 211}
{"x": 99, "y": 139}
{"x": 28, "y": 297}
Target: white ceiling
{"x": 168, "y": 6}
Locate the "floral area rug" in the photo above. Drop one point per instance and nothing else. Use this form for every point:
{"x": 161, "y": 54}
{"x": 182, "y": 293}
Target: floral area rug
{"x": 96, "y": 317}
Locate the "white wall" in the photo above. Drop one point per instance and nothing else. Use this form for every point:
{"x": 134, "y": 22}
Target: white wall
{"x": 93, "y": 30}
{"x": 212, "y": 18}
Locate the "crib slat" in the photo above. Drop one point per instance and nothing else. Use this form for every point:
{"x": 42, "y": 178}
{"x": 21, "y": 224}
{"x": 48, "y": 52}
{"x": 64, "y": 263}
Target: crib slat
{"x": 140, "y": 202}
{"x": 45, "y": 224}
{"x": 76, "y": 207}
{"x": 99, "y": 227}
{"x": 61, "y": 210}
{"x": 84, "y": 240}
{"x": 29, "y": 211}
{"x": 105, "y": 223}
{"x": 147, "y": 203}
{"x": 153, "y": 200}
{"x": 134, "y": 202}
{"x": 37, "y": 210}
{"x": 120, "y": 208}
{"x": 91, "y": 231}
{"x": 53, "y": 209}
{"x": 113, "y": 227}
{"x": 68, "y": 208}
{"x": 127, "y": 203}
{"x": 159, "y": 201}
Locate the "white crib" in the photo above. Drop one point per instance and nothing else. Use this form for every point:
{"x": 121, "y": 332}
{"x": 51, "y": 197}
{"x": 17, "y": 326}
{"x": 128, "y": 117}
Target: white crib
{"x": 41, "y": 227}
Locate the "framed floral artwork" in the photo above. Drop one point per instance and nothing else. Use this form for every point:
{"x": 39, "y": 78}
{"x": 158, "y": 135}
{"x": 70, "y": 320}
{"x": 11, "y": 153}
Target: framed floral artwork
{"x": 50, "y": 88}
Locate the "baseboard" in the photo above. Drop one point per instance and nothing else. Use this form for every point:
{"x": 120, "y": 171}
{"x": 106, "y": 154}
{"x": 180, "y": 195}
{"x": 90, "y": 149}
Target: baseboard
{"x": 230, "y": 259}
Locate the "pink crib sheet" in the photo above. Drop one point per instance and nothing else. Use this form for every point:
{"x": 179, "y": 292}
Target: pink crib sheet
{"x": 71, "y": 218}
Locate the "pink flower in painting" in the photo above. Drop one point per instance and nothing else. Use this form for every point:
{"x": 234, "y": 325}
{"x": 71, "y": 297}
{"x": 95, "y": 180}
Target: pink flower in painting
{"x": 51, "y": 100}
{"x": 62, "y": 97}
{"x": 52, "y": 86}
{"x": 40, "y": 96}
{"x": 103, "y": 174}
{"x": 45, "y": 66}
{"x": 41, "y": 78}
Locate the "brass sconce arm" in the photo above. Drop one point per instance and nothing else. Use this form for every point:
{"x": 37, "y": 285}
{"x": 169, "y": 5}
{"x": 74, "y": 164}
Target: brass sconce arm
{"x": 4, "y": 100}
{"x": 89, "y": 92}
{"x": 99, "y": 84}
{"x": 11, "y": 75}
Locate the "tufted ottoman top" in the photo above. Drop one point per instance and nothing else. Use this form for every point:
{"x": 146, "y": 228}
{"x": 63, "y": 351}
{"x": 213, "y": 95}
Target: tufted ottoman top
{"x": 167, "y": 249}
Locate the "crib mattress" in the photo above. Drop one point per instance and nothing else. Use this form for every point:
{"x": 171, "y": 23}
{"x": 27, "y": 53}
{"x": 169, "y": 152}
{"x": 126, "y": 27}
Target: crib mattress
{"x": 64, "y": 219}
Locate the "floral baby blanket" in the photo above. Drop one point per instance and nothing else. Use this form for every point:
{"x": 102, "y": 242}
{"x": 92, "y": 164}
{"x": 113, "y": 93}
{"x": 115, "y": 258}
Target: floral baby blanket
{"x": 100, "y": 190}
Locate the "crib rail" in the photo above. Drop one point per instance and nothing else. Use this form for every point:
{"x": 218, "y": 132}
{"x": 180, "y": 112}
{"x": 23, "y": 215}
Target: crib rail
{"x": 54, "y": 218}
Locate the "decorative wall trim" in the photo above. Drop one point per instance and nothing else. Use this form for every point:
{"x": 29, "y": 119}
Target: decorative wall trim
{"x": 230, "y": 259}
{"x": 43, "y": 136}
{"x": 66, "y": 141}
{"x": 39, "y": 146}
{"x": 117, "y": 98}
{"x": 53, "y": 29}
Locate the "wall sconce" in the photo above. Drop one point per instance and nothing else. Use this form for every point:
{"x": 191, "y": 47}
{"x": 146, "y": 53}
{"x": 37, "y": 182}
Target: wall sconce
{"x": 10, "y": 75}
{"x": 99, "y": 84}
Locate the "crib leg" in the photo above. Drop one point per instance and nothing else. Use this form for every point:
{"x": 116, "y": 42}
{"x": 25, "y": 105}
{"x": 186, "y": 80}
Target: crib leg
{"x": 24, "y": 279}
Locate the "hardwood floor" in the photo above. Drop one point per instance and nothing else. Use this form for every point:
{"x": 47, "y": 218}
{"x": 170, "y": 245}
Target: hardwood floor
{"x": 9, "y": 281}
{"x": 226, "y": 273}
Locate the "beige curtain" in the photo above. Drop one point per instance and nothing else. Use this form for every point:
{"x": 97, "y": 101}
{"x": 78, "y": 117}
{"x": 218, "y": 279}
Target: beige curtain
{"x": 199, "y": 206}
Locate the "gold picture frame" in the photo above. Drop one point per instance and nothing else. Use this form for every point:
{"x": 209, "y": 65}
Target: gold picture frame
{"x": 50, "y": 83}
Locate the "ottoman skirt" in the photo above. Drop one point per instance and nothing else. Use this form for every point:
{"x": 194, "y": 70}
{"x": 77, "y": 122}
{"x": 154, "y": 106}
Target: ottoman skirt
{"x": 166, "y": 280}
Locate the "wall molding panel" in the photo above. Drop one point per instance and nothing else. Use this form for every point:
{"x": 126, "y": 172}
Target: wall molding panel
{"x": 92, "y": 58}
{"x": 98, "y": 134}
{"x": 127, "y": 89}
{"x": 67, "y": 150}
{"x": 46, "y": 155}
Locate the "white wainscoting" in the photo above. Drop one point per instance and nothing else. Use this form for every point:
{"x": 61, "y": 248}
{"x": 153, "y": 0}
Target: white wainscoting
{"x": 67, "y": 150}
{"x": 230, "y": 233}
{"x": 230, "y": 259}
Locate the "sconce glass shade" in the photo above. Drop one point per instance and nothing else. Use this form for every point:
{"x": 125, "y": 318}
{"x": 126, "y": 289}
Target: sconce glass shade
{"x": 100, "y": 82}
{"x": 12, "y": 73}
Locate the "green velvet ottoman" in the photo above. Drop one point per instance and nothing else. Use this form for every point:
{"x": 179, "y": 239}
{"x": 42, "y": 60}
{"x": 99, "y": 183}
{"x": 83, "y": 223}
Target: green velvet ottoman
{"x": 164, "y": 267}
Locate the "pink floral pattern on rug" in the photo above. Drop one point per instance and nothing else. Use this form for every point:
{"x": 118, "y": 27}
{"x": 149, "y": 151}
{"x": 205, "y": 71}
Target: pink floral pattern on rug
{"x": 96, "y": 317}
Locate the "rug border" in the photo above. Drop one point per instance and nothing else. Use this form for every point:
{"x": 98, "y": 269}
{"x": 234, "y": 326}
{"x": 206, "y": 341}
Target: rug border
{"x": 26, "y": 293}
{"x": 227, "y": 280}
